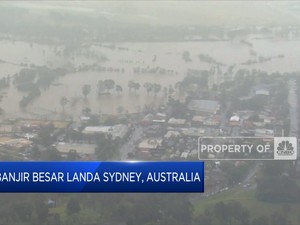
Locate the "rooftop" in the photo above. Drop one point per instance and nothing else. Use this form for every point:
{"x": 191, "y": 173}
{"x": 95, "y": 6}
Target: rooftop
{"x": 203, "y": 106}
{"x": 119, "y": 130}
{"x": 152, "y": 143}
{"x": 176, "y": 121}
{"x": 79, "y": 148}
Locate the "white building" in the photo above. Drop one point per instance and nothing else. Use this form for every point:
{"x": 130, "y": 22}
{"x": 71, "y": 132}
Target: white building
{"x": 117, "y": 131}
{"x": 204, "y": 106}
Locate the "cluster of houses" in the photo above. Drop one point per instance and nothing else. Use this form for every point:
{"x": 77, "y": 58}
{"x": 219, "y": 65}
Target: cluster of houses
{"x": 163, "y": 135}
{"x": 254, "y": 124}
{"x": 18, "y": 136}
{"x": 168, "y": 137}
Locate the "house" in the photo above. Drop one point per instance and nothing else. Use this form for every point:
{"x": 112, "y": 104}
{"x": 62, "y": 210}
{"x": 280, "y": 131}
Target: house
{"x": 149, "y": 144}
{"x": 198, "y": 120}
{"x": 147, "y": 120}
{"x": 50, "y": 203}
{"x": 262, "y": 92}
{"x": 264, "y": 132}
{"x": 154, "y": 130}
{"x": 7, "y": 128}
{"x": 159, "y": 118}
{"x": 247, "y": 124}
{"x": 193, "y": 132}
{"x": 234, "y": 121}
{"x": 176, "y": 122}
{"x": 259, "y": 124}
{"x": 85, "y": 118}
{"x": 212, "y": 121}
{"x": 116, "y": 131}
{"x": 81, "y": 149}
{"x": 15, "y": 143}
{"x": 245, "y": 114}
{"x": 267, "y": 119}
{"x": 184, "y": 155}
{"x": 204, "y": 106}
{"x": 172, "y": 133}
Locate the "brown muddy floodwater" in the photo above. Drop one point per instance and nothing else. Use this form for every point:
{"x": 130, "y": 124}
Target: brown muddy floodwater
{"x": 129, "y": 55}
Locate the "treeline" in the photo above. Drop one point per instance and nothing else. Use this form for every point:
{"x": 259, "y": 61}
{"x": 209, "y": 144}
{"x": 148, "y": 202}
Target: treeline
{"x": 94, "y": 209}
{"x": 23, "y": 209}
{"x": 127, "y": 209}
{"x": 153, "y": 70}
{"x": 5, "y": 82}
{"x": 30, "y": 81}
{"x": 95, "y": 67}
{"x": 76, "y": 28}
{"x": 276, "y": 183}
{"x": 232, "y": 212}
{"x": 208, "y": 59}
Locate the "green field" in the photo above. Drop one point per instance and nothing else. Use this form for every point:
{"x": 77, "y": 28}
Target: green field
{"x": 256, "y": 208}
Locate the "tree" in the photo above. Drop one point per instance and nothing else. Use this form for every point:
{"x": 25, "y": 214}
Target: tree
{"x": 156, "y": 88}
{"x": 231, "y": 213}
{"x": 180, "y": 210}
{"x": 86, "y": 111}
{"x": 22, "y": 211}
{"x": 86, "y": 89}
{"x": 179, "y": 109}
{"x": 203, "y": 219}
{"x": 165, "y": 91}
{"x": 131, "y": 85}
{"x": 100, "y": 87}
{"x": 52, "y": 154}
{"x": 45, "y": 135}
{"x": 220, "y": 212}
{"x": 178, "y": 85}
{"x": 73, "y": 206}
{"x": 260, "y": 220}
{"x": 63, "y": 102}
{"x": 186, "y": 56}
{"x": 120, "y": 109}
{"x": 136, "y": 86}
{"x": 74, "y": 100}
{"x": 106, "y": 147}
{"x": 159, "y": 210}
{"x": 72, "y": 155}
{"x": 25, "y": 76}
{"x": 109, "y": 84}
{"x": 278, "y": 219}
{"x": 41, "y": 211}
{"x": 35, "y": 152}
{"x": 171, "y": 90}
{"x": 277, "y": 189}
{"x": 148, "y": 87}
{"x": 119, "y": 89}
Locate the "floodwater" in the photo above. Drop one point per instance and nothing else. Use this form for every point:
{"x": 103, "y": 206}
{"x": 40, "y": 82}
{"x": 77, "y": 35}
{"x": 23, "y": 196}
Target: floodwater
{"x": 167, "y": 55}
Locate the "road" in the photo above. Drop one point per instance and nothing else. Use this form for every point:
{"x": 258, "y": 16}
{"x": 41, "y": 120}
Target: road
{"x": 293, "y": 103}
{"x": 252, "y": 172}
{"x": 223, "y": 124}
{"x": 129, "y": 146}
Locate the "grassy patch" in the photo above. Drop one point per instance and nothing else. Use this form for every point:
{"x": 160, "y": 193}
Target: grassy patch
{"x": 247, "y": 198}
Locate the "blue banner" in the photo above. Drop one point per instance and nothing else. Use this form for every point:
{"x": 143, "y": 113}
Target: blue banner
{"x": 102, "y": 177}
